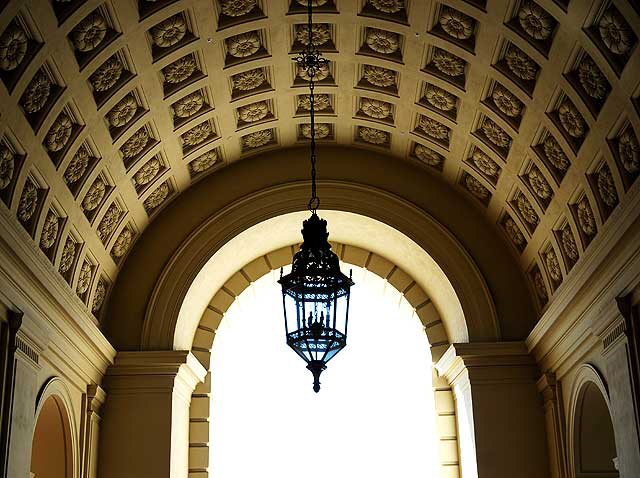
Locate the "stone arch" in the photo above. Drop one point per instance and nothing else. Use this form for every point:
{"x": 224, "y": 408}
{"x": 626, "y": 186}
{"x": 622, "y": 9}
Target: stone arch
{"x": 146, "y": 300}
{"x": 592, "y": 445}
{"x": 379, "y": 265}
{"x": 54, "y": 452}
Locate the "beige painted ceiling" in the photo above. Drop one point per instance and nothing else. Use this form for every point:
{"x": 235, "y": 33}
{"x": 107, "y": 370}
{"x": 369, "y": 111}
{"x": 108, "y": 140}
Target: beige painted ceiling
{"x": 111, "y": 108}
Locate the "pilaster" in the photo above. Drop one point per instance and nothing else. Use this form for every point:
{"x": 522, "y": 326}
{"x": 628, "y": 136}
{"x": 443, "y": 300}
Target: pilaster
{"x": 619, "y": 375}
{"x": 19, "y": 398}
{"x": 555, "y": 419}
{"x": 498, "y": 408}
{"x": 145, "y": 425}
{"x": 94, "y": 398}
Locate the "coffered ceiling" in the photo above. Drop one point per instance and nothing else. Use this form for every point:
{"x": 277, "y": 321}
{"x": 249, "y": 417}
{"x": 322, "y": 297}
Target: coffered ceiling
{"x": 111, "y": 108}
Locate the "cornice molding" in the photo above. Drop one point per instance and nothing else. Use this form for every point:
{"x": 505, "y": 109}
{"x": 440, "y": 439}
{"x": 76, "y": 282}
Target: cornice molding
{"x": 31, "y": 284}
{"x": 585, "y": 303}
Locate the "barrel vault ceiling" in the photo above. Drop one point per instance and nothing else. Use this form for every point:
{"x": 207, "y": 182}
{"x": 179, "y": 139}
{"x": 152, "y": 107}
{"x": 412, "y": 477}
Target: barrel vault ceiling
{"x": 111, "y": 108}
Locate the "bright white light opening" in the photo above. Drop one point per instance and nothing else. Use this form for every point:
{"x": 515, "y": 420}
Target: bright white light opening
{"x": 374, "y": 416}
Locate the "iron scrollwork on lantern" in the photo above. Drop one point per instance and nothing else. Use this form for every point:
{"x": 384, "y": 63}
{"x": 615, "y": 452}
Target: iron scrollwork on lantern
{"x": 315, "y": 297}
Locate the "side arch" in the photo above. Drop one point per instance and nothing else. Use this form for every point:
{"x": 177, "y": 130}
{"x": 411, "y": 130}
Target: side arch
{"x": 55, "y": 447}
{"x": 592, "y": 445}
{"x": 224, "y": 297}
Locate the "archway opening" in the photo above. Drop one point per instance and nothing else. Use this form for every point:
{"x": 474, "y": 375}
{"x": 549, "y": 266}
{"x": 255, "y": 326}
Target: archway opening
{"x": 51, "y": 449}
{"x": 375, "y": 415}
{"x": 595, "y": 441}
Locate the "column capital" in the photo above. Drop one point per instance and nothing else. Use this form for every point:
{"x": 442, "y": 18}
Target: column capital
{"x": 487, "y": 361}
{"x": 95, "y": 397}
{"x": 154, "y": 371}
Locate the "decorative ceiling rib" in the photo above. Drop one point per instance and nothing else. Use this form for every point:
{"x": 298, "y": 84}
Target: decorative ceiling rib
{"x": 112, "y": 108}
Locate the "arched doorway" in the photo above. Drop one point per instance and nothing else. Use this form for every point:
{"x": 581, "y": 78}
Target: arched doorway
{"x": 593, "y": 445}
{"x": 375, "y": 415}
{"x": 51, "y": 453}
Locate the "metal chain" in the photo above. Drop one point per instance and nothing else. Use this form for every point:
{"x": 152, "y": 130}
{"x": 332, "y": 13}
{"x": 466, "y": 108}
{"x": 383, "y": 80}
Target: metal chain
{"x": 312, "y": 64}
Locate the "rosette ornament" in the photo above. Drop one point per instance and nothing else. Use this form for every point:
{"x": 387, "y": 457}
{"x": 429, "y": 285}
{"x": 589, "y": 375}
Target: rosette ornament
{"x": 448, "y": 63}
{"x": 320, "y": 34}
{"x": 28, "y": 201}
{"x": 439, "y": 98}
{"x": 59, "y": 133}
{"x": 248, "y": 80}
{"x": 257, "y": 139}
{"x": 382, "y": 41}
{"x": 237, "y": 8}
{"x": 37, "y": 93}
{"x": 147, "y": 172}
{"x": 198, "y": 134}
{"x": 475, "y": 187}
{"x": 321, "y": 102}
{"x": 107, "y": 75}
{"x": 513, "y": 231}
{"x": 123, "y": 112}
{"x": 379, "y": 76}
{"x": 387, "y": 6}
{"x": 203, "y": 162}
{"x": 189, "y": 105}
{"x": 428, "y": 156}
{"x": 535, "y": 21}
{"x": 89, "y": 33}
{"x": 485, "y": 164}
{"x": 555, "y": 154}
{"x": 586, "y": 221}
{"x": 7, "y": 166}
{"x": 606, "y": 187}
{"x": 179, "y": 70}
{"x": 322, "y": 130}
{"x": 375, "y": 108}
{"x": 592, "y": 79}
{"x": 571, "y": 120}
{"x": 373, "y": 136}
{"x": 253, "y": 112}
{"x": 615, "y": 32}
{"x": 170, "y": 31}
{"x": 134, "y": 145}
{"x": 456, "y": 24}
{"x": 157, "y": 197}
{"x": 13, "y": 47}
{"x": 520, "y": 64}
{"x": 243, "y": 45}
{"x": 84, "y": 278}
{"x": 629, "y": 151}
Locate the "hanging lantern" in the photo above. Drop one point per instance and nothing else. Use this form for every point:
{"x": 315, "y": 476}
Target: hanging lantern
{"x": 315, "y": 297}
{"x": 315, "y": 294}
